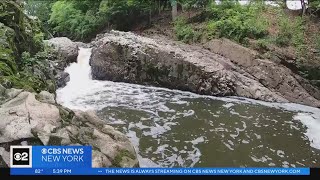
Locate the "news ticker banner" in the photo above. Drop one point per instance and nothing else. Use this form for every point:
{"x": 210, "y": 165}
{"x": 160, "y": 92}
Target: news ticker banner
{"x": 77, "y": 160}
{"x": 160, "y": 171}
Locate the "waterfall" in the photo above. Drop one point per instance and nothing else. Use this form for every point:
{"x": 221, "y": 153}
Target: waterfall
{"x": 80, "y": 72}
{"x": 80, "y": 78}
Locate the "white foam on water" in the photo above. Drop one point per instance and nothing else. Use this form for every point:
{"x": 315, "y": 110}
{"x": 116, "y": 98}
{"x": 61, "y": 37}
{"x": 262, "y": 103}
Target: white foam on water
{"x": 313, "y": 128}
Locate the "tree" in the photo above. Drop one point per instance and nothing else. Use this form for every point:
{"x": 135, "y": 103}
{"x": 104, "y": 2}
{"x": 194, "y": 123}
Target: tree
{"x": 174, "y": 6}
{"x": 303, "y": 7}
{"x": 40, "y": 9}
{"x": 284, "y": 3}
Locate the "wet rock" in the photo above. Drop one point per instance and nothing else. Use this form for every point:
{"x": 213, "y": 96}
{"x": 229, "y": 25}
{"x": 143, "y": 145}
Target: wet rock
{"x": 59, "y": 138}
{"x": 62, "y": 79}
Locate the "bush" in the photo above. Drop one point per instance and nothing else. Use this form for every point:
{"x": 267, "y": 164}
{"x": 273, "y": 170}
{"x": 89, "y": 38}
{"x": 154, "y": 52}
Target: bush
{"x": 263, "y": 44}
{"x": 314, "y": 6}
{"x": 185, "y": 32}
{"x": 291, "y": 32}
{"x": 234, "y": 21}
{"x": 81, "y": 20}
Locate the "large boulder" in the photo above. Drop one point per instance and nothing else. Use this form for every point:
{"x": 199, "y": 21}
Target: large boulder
{"x": 23, "y": 116}
{"x": 67, "y": 52}
{"x": 120, "y": 56}
{"x": 67, "y": 49}
{"x": 226, "y": 69}
{"x": 27, "y": 121}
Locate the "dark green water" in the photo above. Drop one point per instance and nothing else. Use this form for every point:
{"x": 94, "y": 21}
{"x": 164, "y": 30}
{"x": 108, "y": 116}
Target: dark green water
{"x": 178, "y": 129}
{"x": 204, "y": 133}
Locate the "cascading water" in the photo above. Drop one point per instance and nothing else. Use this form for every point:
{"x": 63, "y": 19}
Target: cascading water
{"x": 172, "y": 128}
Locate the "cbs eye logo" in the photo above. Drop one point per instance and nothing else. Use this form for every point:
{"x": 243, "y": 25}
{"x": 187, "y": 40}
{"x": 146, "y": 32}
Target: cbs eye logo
{"x": 20, "y": 156}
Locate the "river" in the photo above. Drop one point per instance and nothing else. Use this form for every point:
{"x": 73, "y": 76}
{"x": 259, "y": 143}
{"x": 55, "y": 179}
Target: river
{"x": 171, "y": 128}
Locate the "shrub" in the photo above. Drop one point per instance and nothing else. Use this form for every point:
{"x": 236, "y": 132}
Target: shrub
{"x": 232, "y": 20}
{"x": 81, "y": 20}
{"x": 263, "y": 44}
{"x": 184, "y": 32}
{"x": 285, "y": 34}
{"x": 291, "y": 32}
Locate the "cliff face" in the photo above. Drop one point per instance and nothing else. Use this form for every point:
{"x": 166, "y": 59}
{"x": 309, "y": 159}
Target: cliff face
{"x": 24, "y": 60}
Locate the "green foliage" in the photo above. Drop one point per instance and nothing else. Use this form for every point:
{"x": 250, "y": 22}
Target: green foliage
{"x": 27, "y": 59}
{"x": 263, "y": 43}
{"x": 232, "y": 20}
{"x": 314, "y": 5}
{"x": 25, "y": 81}
{"x": 189, "y": 4}
{"x": 41, "y": 10}
{"x": 66, "y": 20}
{"x": 22, "y": 52}
{"x": 285, "y": 34}
{"x": 7, "y": 47}
{"x": 5, "y": 69}
{"x": 33, "y": 74}
{"x": 80, "y": 20}
{"x": 27, "y": 31}
{"x": 291, "y": 32}
{"x": 317, "y": 43}
{"x": 185, "y": 32}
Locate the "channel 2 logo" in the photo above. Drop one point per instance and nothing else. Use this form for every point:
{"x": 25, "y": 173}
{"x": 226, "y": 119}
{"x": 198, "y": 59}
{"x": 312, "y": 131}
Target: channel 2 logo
{"x": 20, "y": 156}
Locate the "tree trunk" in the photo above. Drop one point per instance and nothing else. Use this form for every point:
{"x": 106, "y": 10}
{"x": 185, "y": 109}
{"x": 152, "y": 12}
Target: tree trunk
{"x": 174, "y": 10}
{"x": 150, "y": 16}
{"x": 159, "y": 6}
{"x": 303, "y": 7}
{"x": 284, "y": 6}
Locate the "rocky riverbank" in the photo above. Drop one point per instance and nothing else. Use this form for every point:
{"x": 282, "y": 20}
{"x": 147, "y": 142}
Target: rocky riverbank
{"x": 35, "y": 119}
{"x": 120, "y": 56}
